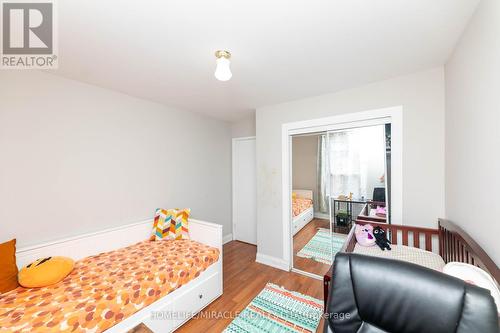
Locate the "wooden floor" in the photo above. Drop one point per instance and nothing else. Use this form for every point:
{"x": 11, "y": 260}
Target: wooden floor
{"x": 243, "y": 280}
{"x": 300, "y": 240}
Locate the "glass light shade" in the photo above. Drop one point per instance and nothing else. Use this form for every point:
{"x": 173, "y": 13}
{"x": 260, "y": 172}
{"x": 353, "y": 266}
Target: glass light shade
{"x": 223, "y": 72}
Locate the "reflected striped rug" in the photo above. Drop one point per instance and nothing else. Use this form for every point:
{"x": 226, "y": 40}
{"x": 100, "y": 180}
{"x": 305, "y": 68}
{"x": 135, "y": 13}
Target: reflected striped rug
{"x": 319, "y": 248}
{"x": 276, "y": 309}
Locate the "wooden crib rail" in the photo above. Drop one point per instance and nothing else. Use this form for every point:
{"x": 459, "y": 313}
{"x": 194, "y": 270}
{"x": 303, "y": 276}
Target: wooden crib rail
{"x": 457, "y": 245}
{"x": 454, "y": 245}
{"x": 350, "y": 242}
{"x": 402, "y": 235}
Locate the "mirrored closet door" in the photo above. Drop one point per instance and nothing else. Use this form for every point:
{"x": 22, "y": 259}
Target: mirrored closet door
{"x": 311, "y": 227}
{"x": 338, "y": 177}
{"x": 357, "y": 176}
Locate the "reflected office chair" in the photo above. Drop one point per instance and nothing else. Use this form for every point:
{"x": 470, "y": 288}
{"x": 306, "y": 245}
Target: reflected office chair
{"x": 379, "y": 194}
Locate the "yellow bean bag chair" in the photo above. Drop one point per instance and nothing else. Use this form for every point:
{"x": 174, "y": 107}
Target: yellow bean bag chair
{"x": 44, "y": 272}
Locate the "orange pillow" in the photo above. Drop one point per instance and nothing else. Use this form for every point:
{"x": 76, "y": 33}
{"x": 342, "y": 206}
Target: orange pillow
{"x": 8, "y": 267}
{"x": 45, "y": 271}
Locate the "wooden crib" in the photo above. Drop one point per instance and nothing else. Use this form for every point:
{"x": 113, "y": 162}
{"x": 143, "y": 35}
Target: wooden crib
{"x": 449, "y": 240}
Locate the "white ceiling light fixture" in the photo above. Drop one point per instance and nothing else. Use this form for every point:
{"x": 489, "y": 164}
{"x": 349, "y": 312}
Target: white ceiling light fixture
{"x": 223, "y": 71}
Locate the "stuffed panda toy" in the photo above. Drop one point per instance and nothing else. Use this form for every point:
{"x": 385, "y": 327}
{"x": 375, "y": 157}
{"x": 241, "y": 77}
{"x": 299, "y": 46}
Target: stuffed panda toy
{"x": 381, "y": 238}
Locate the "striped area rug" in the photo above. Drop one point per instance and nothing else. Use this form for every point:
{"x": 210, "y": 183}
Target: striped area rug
{"x": 319, "y": 248}
{"x": 276, "y": 309}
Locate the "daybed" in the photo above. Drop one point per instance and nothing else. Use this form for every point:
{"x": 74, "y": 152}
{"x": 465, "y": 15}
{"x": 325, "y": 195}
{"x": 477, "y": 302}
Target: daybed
{"x": 449, "y": 243}
{"x": 302, "y": 209}
{"x": 120, "y": 280}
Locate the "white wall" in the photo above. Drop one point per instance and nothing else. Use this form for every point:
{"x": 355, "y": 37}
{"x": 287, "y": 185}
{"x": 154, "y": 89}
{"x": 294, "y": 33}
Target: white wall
{"x": 472, "y": 129}
{"x": 76, "y": 158}
{"x": 304, "y": 165}
{"x": 243, "y": 127}
{"x": 422, "y": 98}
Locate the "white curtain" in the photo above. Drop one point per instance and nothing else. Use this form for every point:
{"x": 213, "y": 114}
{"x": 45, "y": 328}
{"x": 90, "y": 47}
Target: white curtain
{"x": 345, "y": 164}
{"x": 353, "y": 161}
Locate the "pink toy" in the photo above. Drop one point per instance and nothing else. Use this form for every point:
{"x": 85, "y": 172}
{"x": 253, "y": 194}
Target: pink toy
{"x": 364, "y": 235}
{"x": 380, "y": 211}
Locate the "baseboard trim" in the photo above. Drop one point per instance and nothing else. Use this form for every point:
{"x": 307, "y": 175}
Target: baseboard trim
{"x": 227, "y": 238}
{"x": 272, "y": 261}
{"x": 322, "y": 216}
{"x": 311, "y": 275}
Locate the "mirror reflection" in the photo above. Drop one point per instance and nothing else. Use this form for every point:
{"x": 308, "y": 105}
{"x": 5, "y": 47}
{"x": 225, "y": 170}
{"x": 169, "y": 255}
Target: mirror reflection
{"x": 338, "y": 177}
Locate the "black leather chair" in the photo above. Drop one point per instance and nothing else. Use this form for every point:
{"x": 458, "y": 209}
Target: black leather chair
{"x": 375, "y": 295}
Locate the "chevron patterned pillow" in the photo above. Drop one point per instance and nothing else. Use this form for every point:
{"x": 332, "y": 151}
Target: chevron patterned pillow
{"x": 161, "y": 225}
{"x": 179, "y": 228}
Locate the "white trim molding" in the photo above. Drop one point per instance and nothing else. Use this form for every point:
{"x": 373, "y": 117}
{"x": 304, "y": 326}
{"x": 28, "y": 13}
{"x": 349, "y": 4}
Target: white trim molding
{"x": 311, "y": 275}
{"x": 272, "y": 261}
{"x": 318, "y": 215}
{"x": 392, "y": 115}
{"x": 227, "y": 239}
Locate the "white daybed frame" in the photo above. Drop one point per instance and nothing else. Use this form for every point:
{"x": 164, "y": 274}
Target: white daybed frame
{"x": 301, "y": 220}
{"x": 169, "y": 312}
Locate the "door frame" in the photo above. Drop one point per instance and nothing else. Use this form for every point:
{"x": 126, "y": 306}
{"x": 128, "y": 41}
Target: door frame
{"x": 233, "y": 178}
{"x": 392, "y": 115}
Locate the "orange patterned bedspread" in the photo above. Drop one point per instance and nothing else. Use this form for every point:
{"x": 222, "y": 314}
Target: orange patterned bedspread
{"x": 104, "y": 289}
{"x": 299, "y": 205}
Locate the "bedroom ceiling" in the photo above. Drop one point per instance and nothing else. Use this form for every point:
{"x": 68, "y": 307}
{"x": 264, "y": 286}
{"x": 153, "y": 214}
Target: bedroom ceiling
{"x": 281, "y": 50}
